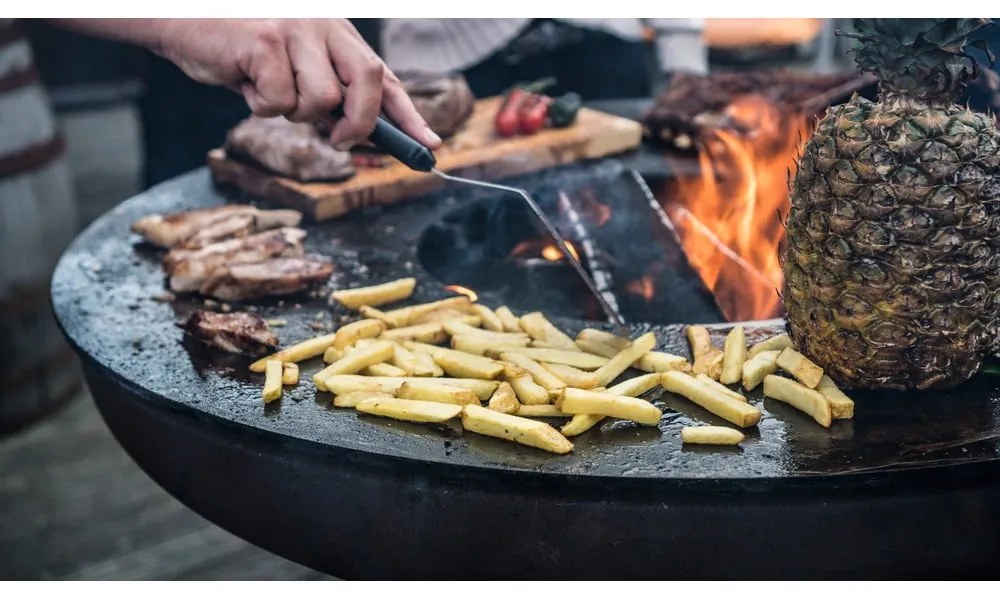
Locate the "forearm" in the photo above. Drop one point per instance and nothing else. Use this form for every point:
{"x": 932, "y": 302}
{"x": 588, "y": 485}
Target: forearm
{"x": 147, "y": 33}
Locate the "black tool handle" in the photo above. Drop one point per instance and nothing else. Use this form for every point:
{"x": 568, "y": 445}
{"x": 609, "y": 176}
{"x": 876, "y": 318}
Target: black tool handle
{"x": 390, "y": 139}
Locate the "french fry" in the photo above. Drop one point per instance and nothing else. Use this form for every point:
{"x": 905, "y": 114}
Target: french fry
{"x": 430, "y": 390}
{"x": 624, "y": 359}
{"x": 511, "y": 324}
{"x": 352, "y": 399}
{"x": 289, "y": 374}
{"x": 651, "y": 362}
{"x": 778, "y": 342}
{"x": 741, "y": 414}
{"x": 708, "y": 434}
{"x": 617, "y": 342}
{"x": 349, "y": 334}
{"x": 297, "y": 352}
{"x": 384, "y": 370}
{"x": 516, "y": 429}
{"x": 587, "y": 402}
{"x": 540, "y": 411}
{"x": 409, "y": 410}
{"x": 636, "y": 386}
{"x": 474, "y": 344}
{"x": 444, "y": 315}
{"x": 463, "y": 364}
{"x": 579, "y": 424}
{"x": 801, "y": 397}
{"x": 800, "y": 367}
{"x": 345, "y": 384}
{"x": 431, "y": 333}
{"x": 715, "y": 385}
{"x": 491, "y": 322}
{"x": 376, "y": 295}
{"x": 404, "y": 316}
{"x": 504, "y": 399}
{"x": 763, "y": 364}
{"x": 540, "y": 374}
{"x": 572, "y": 358}
{"x": 709, "y": 364}
{"x": 572, "y": 376}
{"x": 369, "y": 312}
{"x": 841, "y": 407}
{"x": 331, "y": 354}
{"x": 455, "y": 327}
{"x": 528, "y": 392}
{"x": 272, "y": 381}
{"x": 429, "y": 367}
{"x": 405, "y": 360}
{"x": 699, "y": 340}
{"x": 734, "y": 355}
{"x": 354, "y": 361}
{"x": 541, "y": 329}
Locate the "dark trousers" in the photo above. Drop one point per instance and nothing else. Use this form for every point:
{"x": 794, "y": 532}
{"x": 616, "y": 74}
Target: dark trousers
{"x": 594, "y": 64}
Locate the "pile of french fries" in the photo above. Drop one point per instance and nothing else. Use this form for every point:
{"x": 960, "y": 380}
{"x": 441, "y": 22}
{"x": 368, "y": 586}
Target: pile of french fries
{"x": 437, "y": 361}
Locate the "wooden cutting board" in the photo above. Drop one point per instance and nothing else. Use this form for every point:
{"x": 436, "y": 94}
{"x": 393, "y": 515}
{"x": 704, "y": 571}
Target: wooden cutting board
{"x": 474, "y": 151}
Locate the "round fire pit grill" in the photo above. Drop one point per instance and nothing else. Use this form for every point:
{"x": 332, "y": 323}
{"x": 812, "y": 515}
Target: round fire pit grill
{"x": 909, "y": 488}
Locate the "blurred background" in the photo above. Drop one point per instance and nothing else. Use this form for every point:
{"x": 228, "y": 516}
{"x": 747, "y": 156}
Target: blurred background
{"x": 74, "y": 505}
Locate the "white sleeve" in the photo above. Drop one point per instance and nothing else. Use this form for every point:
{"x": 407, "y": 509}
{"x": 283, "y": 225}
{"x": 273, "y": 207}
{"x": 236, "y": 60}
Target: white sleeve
{"x": 680, "y": 44}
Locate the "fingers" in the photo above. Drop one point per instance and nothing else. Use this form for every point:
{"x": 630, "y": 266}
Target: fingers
{"x": 271, "y": 89}
{"x": 362, "y": 72}
{"x": 400, "y": 109}
{"x": 316, "y": 83}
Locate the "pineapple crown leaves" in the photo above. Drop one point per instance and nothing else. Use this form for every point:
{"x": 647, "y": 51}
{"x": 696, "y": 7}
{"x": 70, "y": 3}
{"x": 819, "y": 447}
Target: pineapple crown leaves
{"x": 925, "y": 58}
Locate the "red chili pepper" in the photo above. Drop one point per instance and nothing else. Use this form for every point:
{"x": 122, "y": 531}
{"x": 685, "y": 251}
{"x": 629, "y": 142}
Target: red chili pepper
{"x": 533, "y": 114}
{"x": 507, "y": 120}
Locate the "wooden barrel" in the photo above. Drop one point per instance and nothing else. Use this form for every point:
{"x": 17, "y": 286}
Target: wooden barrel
{"x": 38, "y": 371}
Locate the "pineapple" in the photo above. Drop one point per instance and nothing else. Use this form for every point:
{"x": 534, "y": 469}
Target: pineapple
{"x": 892, "y": 260}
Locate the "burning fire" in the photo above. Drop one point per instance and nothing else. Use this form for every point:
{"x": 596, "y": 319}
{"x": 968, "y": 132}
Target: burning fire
{"x": 471, "y": 295}
{"x": 550, "y": 251}
{"x": 642, "y": 287}
{"x": 727, "y": 216}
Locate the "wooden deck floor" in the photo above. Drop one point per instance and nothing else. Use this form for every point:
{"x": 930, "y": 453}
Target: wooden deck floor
{"x": 74, "y": 506}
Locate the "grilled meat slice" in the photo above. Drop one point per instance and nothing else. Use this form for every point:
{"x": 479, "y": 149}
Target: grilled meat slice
{"x": 244, "y": 224}
{"x": 236, "y": 332}
{"x": 295, "y": 150}
{"x": 167, "y": 231}
{"x": 445, "y": 101}
{"x": 189, "y": 269}
{"x": 196, "y": 228}
{"x": 274, "y": 277}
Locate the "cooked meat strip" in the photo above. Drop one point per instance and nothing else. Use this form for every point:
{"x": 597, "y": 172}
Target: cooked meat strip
{"x": 189, "y": 269}
{"x": 208, "y": 225}
{"x": 236, "y": 332}
{"x": 295, "y": 150}
{"x": 274, "y": 277}
{"x": 243, "y": 224}
{"x": 167, "y": 231}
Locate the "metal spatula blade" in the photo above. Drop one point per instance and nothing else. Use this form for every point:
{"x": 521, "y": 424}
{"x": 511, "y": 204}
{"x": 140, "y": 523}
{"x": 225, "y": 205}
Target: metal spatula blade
{"x": 393, "y": 141}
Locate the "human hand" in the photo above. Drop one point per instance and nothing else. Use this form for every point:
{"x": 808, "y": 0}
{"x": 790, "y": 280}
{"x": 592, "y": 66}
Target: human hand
{"x": 299, "y": 68}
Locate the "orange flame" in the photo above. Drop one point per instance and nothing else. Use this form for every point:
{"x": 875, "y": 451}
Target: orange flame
{"x": 553, "y": 253}
{"x": 471, "y": 295}
{"x": 642, "y": 287}
{"x": 728, "y": 216}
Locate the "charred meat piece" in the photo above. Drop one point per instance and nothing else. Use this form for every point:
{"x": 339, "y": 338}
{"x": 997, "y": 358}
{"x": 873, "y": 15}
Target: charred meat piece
{"x": 195, "y": 228}
{"x": 295, "y": 150}
{"x": 274, "y": 277}
{"x": 236, "y": 332}
{"x": 189, "y": 269}
{"x": 444, "y": 101}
